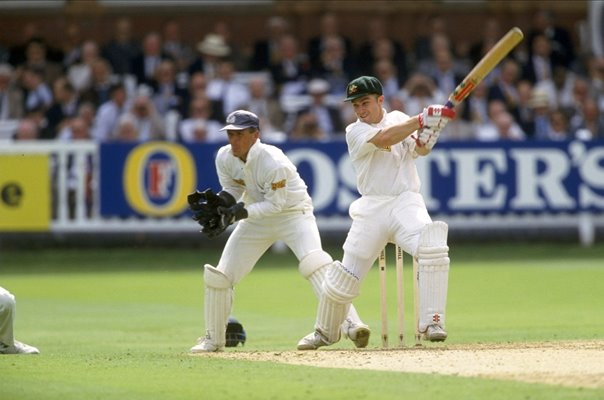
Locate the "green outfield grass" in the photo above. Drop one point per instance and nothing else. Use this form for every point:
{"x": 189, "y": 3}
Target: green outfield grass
{"x": 118, "y": 323}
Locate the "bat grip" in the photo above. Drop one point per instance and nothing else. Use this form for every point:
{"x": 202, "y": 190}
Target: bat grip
{"x": 448, "y": 104}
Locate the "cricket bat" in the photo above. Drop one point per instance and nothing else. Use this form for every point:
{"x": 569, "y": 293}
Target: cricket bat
{"x": 485, "y": 65}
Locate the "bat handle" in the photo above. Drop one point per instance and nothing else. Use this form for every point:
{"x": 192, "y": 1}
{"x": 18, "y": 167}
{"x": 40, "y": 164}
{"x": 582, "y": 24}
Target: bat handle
{"x": 449, "y": 104}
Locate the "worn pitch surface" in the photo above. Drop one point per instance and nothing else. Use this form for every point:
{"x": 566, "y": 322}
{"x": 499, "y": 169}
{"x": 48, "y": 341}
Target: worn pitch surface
{"x": 574, "y": 364}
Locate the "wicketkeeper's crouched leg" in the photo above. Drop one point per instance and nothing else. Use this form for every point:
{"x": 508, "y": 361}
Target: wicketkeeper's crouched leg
{"x": 340, "y": 287}
{"x": 217, "y": 307}
{"x": 314, "y": 268}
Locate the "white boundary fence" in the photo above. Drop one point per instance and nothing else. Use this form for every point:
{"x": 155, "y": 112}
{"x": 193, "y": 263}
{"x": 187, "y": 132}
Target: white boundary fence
{"x": 85, "y": 216}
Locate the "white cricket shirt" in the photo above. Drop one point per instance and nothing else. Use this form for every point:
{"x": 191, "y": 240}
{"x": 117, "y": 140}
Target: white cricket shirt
{"x": 382, "y": 172}
{"x": 268, "y": 181}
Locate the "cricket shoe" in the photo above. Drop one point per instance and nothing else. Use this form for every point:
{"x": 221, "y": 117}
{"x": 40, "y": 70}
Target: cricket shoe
{"x": 435, "y": 333}
{"x": 358, "y": 333}
{"x": 312, "y": 341}
{"x": 205, "y": 345}
{"x": 18, "y": 348}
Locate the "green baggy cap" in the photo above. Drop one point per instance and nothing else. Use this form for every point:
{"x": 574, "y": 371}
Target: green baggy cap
{"x": 362, "y": 86}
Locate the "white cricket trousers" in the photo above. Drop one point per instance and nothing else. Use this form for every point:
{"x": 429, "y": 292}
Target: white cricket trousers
{"x": 379, "y": 220}
{"x": 252, "y": 237}
{"x": 7, "y": 316}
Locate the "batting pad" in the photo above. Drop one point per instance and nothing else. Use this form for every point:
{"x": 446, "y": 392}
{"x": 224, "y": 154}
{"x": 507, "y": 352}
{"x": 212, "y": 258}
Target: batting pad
{"x": 433, "y": 275}
{"x": 218, "y": 303}
{"x": 314, "y": 268}
{"x": 340, "y": 287}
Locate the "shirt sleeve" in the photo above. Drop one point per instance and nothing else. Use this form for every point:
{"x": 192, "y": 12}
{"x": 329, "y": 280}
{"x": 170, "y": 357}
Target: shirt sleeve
{"x": 275, "y": 194}
{"x": 358, "y": 138}
{"x": 225, "y": 175}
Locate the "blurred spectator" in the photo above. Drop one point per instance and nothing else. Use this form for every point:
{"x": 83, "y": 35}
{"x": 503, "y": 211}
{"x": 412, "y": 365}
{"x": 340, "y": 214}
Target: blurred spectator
{"x": 109, "y": 112}
{"x": 121, "y": 50}
{"x": 380, "y": 46}
{"x": 307, "y": 128}
{"x": 595, "y": 71}
{"x": 237, "y": 53}
{"x": 588, "y": 122}
{"x": 37, "y": 92}
{"x": 80, "y": 73}
{"x": 291, "y": 68}
{"x": 145, "y": 64}
{"x": 73, "y": 129}
{"x": 500, "y": 126}
{"x": 175, "y": 47}
{"x": 540, "y": 105}
{"x": 36, "y": 56}
{"x": 198, "y": 84}
{"x": 198, "y": 127}
{"x": 528, "y": 96}
{"x": 76, "y": 128}
{"x": 167, "y": 94}
{"x": 491, "y": 33}
{"x": 540, "y": 65}
{"x": 559, "y": 88}
{"x": 226, "y": 93}
{"x": 386, "y": 72}
{"x": 266, "y": 107}
{"x": 27, "y": 129}
{"x": 543, "y": 23}
{"x": 17, "y": 52}
{"x": 429, "y": 27}
{"x": 443, "y": 71}
{"x": 211, "y": 50}
{"x": 100, "y": 84}
{"x": 504, "y": 89}
{"x": 327, "y": 117}
{"x": 71, "y": 45}
{"x": 11, "y": 96}
{"x": 418, "y": 92}
{"x": 126, "y": 129}
{"x": 477, "y": 106}
{"x": 149, "y": 124}
{"x": 335, "y": 65}
{"x": 559, "y": 126}
{"x": 266, "y": 49}
{"x": 64, "y": 107}
{"x": 329, "y": 33}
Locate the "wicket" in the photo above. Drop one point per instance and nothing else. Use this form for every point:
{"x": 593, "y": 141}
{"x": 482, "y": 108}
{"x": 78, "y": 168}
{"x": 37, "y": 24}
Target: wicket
{"x": 400, "y": 297}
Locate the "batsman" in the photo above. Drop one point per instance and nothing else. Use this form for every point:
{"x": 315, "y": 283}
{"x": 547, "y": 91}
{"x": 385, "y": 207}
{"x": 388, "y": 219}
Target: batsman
{"x": 383, "y": 147}
{"x": 263, "y": 192}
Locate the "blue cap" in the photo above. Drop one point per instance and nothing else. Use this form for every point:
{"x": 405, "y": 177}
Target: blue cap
{"x": 241, "y": 119}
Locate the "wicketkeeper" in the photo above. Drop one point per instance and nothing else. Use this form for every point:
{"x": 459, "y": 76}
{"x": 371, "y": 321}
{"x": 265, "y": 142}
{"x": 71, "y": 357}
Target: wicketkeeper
{"x": 383, "y": 147}
{"x": 261, "y": 189}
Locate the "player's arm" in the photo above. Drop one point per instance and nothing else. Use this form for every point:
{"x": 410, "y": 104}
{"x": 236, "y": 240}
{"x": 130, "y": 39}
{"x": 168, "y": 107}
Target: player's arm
{"x": 395, "y": 133}
{"x": 433, "y": 118}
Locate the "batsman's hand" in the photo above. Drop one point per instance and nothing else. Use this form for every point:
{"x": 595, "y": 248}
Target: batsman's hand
{"x": 435, "y": 116}
{"x": 230, "y": 215}
{"x": 427, "y": 137}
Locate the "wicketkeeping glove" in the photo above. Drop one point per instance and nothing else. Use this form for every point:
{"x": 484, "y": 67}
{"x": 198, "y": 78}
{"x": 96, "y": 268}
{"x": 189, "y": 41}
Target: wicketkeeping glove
{"x": 204, "y": 206}
{"x": 230, "y": 215}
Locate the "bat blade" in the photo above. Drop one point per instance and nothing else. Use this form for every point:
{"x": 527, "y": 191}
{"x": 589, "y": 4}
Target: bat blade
{"x": 490, "y": 60}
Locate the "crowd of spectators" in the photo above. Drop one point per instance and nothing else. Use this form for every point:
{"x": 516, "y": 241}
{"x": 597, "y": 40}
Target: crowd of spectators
{"x": 163, "y": 88}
